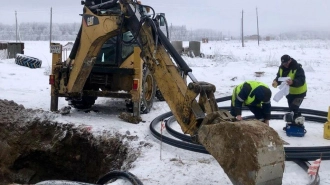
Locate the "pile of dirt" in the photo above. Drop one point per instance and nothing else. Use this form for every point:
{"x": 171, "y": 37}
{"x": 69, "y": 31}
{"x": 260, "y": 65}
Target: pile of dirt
{"x": 33, "y": 148}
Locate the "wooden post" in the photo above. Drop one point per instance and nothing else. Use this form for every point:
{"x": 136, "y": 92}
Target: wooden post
{"x": 54, "y": 88}
{"x": 242, "y": 31}
{"x": 257, "y": 25}
{"x": 16, "y": 25}
{"x": 50, "y": 26}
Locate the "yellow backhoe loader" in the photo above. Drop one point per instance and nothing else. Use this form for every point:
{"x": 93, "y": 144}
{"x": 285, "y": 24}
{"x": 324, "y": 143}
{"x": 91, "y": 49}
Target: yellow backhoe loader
{"x": 120, "y": 51}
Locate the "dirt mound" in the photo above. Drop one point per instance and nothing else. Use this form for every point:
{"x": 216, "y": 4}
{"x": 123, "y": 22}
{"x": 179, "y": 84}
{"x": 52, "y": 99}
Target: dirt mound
{"x": 33, "y": 148}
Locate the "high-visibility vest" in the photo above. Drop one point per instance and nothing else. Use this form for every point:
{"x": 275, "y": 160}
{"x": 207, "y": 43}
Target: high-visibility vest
{"x": 294, "y": 90}
{"x": 250, "y": 99}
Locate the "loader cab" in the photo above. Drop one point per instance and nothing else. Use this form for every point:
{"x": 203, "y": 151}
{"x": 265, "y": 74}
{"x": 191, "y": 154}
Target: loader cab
{"x": 114, "y": 68}
{"x": 113, "y": 53}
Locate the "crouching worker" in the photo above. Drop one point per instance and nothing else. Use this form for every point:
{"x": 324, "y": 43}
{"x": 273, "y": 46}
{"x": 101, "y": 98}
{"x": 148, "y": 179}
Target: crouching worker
{"x": 256, "y": 96}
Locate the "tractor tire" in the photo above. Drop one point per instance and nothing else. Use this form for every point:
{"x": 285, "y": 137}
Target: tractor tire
{"x": 28, "y": 61}
{"x": 85, "y": 102}
{"x": 149, "y": 88}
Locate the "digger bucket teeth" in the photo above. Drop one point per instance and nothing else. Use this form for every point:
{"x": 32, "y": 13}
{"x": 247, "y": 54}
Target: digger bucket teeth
{"x": 248, "y": 151}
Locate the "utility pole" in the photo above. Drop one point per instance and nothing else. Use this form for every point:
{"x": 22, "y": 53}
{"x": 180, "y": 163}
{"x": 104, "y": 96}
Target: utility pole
{"x": 16, "y": 25}
{"x": 242, "y": 31}
{"x": 50, "y": 27}
{"x": 257, "y": 25}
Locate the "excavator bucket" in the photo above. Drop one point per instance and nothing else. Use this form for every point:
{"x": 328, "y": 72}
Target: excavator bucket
{"x": 249, "y": 151}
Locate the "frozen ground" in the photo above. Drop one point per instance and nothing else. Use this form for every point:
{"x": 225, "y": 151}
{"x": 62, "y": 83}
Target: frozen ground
{"x": 232, "y": 65}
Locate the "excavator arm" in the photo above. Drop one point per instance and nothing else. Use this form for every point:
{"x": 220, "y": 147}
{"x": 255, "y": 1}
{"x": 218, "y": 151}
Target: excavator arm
{"x": 158, "y": 52}
{"x": 249, "y": 152}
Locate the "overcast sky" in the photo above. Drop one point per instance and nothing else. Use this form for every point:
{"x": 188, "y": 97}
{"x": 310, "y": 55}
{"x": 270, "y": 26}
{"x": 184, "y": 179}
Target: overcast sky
{"x": 274, "y": 16}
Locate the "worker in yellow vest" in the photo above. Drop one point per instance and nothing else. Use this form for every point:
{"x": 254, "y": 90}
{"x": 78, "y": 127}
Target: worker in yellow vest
{"x": 256, "y": 96}
{"x": 298, "y": 87}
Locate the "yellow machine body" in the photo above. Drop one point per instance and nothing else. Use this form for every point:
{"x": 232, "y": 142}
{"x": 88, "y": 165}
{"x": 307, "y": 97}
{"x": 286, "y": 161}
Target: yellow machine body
{"x": 326, "y": 134}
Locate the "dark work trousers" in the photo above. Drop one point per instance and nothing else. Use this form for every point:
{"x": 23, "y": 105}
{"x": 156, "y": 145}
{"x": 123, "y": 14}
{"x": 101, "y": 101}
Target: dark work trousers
{"x": 294, "y": 102}
{"x": 257, "y": 111}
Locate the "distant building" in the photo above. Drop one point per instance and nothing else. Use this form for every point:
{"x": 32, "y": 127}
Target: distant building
{"x": 252, "y": 37}
{"x": 3, "y": 45}
{"x": 205, "y": 40}
{"x": 68, "y": 46}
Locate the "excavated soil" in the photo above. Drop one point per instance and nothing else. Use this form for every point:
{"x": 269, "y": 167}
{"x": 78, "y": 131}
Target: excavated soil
{"x": 33, "y": 148}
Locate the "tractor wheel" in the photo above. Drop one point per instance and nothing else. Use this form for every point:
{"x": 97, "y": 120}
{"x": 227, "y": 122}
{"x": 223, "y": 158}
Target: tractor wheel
{"x": 85, "y": 102}
{"x": 149, "y": 88}
{"x": 27, "y": 61}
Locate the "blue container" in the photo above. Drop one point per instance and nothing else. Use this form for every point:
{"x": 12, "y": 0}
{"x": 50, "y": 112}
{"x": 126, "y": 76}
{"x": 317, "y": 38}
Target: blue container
{"x": 295, "y": 130}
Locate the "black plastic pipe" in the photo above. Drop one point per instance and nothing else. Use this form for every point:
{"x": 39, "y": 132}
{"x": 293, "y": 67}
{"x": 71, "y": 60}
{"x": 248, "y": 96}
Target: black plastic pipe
{"x": 292, "y": 153}
{"x": 119, "y": 174}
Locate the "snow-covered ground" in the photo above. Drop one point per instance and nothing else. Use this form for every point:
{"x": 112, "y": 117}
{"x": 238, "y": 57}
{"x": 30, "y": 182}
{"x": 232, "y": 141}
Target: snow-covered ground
{"x": 232, "y": 65}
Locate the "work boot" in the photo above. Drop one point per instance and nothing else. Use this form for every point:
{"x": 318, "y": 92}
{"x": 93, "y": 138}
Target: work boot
{"x": 298, "y": 119}
{"x": 296, "y": 115}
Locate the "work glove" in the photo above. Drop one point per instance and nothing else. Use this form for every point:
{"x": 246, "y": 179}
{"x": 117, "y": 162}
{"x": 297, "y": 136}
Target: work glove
{"x": 267, "y": 122}
{"x": 274, "y": 84}
{"x": 239, "y": 118}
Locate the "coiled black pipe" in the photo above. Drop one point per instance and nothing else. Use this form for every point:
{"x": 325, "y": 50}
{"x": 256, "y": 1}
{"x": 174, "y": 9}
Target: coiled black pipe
{"x": 292, "y": 153}
{"x": 187, "y": 138}
{"x": 119, "y": 174}
{"x": 302, "y": 110}
{"x": 116, "y": 174}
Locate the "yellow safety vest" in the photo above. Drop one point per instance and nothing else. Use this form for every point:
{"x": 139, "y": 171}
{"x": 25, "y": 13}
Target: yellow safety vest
{"x": 250, "y": 99}
{"x": 294, "y": 90}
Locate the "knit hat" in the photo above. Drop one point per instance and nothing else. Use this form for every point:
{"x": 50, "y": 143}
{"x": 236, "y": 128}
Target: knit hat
{"x": 285, "y": 58}
{"x": 263, "y": 93}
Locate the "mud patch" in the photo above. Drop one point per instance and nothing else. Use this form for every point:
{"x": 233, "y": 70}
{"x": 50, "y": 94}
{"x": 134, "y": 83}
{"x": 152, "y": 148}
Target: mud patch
{"x": 33, "y": 148}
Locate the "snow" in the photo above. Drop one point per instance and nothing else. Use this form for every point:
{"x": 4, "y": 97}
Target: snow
{"x": 232, "y": 64}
